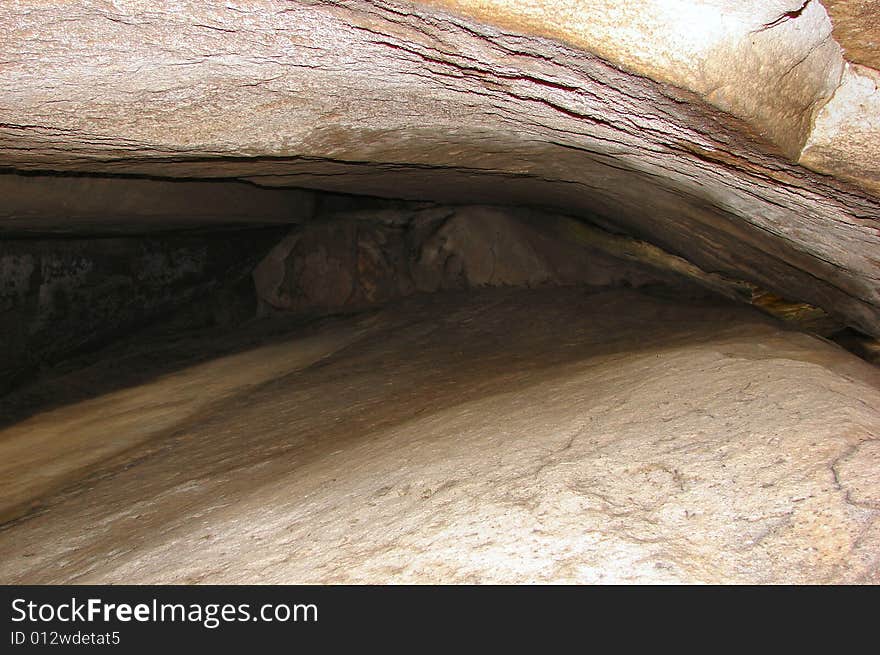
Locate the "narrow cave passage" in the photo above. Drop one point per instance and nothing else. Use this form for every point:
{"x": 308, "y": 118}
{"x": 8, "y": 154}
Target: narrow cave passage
{"x": 439, "y": 291}
{"x": 363, "y": 390}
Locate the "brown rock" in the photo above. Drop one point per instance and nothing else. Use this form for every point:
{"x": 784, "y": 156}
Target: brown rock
{"x": 349, "y": 262}
{"x": 36, "y": 205}
{"x": 559, "y": 433}
{"x": 857, "y": 29}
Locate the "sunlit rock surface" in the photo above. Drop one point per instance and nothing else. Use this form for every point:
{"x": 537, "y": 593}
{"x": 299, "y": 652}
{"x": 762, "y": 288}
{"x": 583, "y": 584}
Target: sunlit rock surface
{"x": 496, "y": 436}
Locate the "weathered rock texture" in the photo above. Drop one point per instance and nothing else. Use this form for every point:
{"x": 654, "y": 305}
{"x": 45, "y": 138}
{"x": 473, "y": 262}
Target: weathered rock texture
{"x": 857, "y": 29}
{"x": 403, "y": 99}
{"x": 847, "y": 128}
{"x": 493, "y": 436}
{"x": 773, "y": 64}
{"x": 353, "y": 261}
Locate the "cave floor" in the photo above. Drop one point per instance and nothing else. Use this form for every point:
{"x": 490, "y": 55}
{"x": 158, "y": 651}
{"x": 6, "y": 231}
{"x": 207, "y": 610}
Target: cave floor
{"x": 500, "y": 436}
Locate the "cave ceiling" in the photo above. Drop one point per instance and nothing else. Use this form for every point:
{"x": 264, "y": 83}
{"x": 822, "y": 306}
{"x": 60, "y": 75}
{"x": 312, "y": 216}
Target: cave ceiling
{"x": 740, "y": 136}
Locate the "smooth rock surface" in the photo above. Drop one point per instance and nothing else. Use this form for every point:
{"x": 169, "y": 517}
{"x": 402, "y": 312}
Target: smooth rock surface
{"x": 499, "y": 436}
{"x": 40, "y": 205}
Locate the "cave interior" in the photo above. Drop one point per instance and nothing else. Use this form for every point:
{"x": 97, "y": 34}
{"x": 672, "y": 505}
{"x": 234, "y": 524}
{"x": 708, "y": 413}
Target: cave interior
{"x": 347, "y": 292}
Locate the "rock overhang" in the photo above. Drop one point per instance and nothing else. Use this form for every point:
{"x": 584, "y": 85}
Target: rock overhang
{"x": 656, "y": 134}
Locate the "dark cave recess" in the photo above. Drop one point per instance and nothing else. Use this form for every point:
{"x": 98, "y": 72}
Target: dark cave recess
{"x": 117, "y": 255}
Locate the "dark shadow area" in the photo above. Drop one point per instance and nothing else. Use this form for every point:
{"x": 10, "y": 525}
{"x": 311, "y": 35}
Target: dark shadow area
{"x": 127, "y": 359}
{"x": 64, "y": 298}
{"x": 859, "y": 344}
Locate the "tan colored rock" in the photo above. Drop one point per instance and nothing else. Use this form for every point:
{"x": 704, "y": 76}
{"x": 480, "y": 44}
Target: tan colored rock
{"x": 769, "y": 63}
{"x": 406, "y": 100}
{"x": 480, "y": 435}
{"x": 352, "y": 261}
{"x": 846, "y": 132}
{"x": 503, "y": 436}
{"x": 486, "y": 246}
{"x": 773, "y": 64}
{"x": 857, "y": 29}
{"x": 481, "y": 247}
{"x": 44, "y": 453}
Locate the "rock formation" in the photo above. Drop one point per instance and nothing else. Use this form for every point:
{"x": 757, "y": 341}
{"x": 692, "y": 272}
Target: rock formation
{"x": 681, "y": 133}
{"x": 60, "y": 296}
{"x": 487, "y": 436}
{"x": 359, "y": 261}
{"x": 426, "y": 284}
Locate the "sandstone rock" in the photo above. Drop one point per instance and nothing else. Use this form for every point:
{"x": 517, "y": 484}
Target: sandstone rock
{"x": 407, "y": 100}
{"x": 856, "y": 29}
{"x": 349, "y": 262}
{"x": 769, "y": 63}
{"x": 44, "y": 453}
{"x": 494, "y": 436}
{"x": 847, "y": 129}
{"x": 480, "y": 247}
{"x": 565, "y": 430}
{"x": 37, "y": 205}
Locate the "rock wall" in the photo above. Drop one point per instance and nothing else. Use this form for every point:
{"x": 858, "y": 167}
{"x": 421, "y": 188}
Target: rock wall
{"x": 34, "y": 205}
{"x": 775, "y": 64}
{"x": 63, "y": 295}
{"x": 352, "y": 261}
